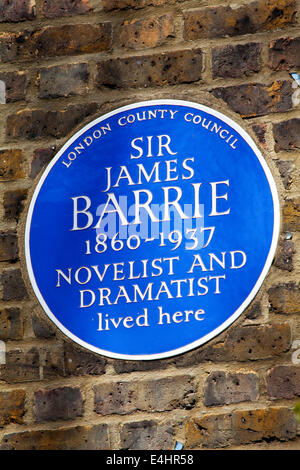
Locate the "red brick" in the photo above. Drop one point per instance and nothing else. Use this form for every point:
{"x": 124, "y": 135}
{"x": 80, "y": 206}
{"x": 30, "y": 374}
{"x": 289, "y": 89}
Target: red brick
{"x": 172, "y": 68}
{"x": 284, "y": 54}
{"x": 17, "y": 10}
{"x": 146, "y": 33}
{"x": 59, "y": 8}
{"x": 257, "y": 16}
{"x": 59, "y": 403}
{"x": 12, "y": 407}
{"x": 256, "y": 99}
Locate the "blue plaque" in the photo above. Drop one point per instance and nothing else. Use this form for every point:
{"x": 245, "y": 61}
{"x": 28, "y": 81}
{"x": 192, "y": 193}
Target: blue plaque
{"x": 152, "y": 230}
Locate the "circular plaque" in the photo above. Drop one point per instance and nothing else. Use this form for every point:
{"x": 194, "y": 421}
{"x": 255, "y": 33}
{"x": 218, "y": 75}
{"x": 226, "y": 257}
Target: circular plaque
{"x": 152, "y": 230}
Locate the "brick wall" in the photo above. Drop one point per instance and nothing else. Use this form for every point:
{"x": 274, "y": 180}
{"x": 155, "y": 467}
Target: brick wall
{"x": 65, "y": 62}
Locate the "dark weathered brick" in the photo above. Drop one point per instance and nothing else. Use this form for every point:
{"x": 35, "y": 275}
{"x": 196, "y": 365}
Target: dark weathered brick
{"x": 11, "y": 165}
{"x": 285, "y": 299}
{"x": 260, "y": 132}
{"x": 41, "y": 158}
{"x": 184, "y": 66}
{"x": 223, "y": 388}
{"x": 122, "y": 366}
{"x": 55, "y": 41}
{"x": 256, "y": 342}
{"x": 15, "y": 85}
{"x": 285, "y": 168}
{"x": 63, "y": 80}
{"x": 59, "y": 8}
{"x": 283, "y": 382}
{"x": 284, "y": 54}
{"x": 52, "y": 362}
{"x": 287, "y": 135}
{"x": 59, "y": 403}
{"x": 32, "y": 124}
{"x": 12, "y": 407}
{"x": 147, "y": 435}
{"x": 264, "y": 424}
{"x": 153, "y": 395}
{"x": 9, "y": 250}
{"x": 17, "y": 10}
{"x": 11, "y": 325}
{"x": 13, "y": 287}
{"x": 253, "y": 311}
{"x": 236, "y": 61}
{"x": 291, "y": 215}
{"x": 13, "y": 203}
{"x": 109, "y": 5}
{"x": 73, "y": 438}
{"x": 218, "y": 21}
{"x": 242, "y": 343}
{"x": 146, "y": 33}
{"x": 284, "y": 256}
{"x": 41, "y": 329}
{"x": 82, "y": 362}
{"x": 256, "y": 99}
{"x": 21, "y": 366}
